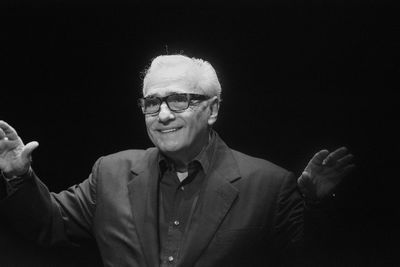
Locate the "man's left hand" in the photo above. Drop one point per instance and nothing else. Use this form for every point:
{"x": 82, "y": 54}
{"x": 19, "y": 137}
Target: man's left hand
{"x": 324, "y": 172}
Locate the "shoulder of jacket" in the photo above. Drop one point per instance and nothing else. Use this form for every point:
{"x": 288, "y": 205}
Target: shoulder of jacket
{"x": 129, "y": 157}
{"x": 252, "y": 165}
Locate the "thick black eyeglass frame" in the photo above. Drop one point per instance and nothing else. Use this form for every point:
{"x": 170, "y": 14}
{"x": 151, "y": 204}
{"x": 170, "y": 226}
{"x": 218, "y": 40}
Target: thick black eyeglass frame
{"x": 190, "y": 98}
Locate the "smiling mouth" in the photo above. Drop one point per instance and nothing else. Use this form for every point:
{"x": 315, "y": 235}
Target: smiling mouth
{"x": 169, "y": 130}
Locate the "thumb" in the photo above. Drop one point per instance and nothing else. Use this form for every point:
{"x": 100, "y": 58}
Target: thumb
{"x": 304, "y": 182}
{"x": 304, "y": 178}
{"x": 28, "y": 149}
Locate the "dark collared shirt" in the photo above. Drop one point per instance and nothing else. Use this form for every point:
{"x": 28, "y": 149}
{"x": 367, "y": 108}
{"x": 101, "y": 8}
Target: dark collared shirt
{"x": 178, "y": 202}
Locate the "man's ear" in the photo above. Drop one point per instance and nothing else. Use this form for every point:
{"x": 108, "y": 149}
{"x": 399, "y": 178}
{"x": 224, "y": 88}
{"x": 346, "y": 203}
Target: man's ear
{"x": 214, "y": 107}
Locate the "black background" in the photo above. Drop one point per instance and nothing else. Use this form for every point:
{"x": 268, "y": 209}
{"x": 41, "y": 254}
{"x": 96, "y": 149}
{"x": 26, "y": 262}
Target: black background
{"x": 297, "y": 76}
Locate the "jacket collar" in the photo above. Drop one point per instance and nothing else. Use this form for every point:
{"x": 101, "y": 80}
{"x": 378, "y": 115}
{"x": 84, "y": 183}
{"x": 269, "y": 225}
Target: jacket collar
{"x": 215, "y": 202}
{"x": 143, "y": 196}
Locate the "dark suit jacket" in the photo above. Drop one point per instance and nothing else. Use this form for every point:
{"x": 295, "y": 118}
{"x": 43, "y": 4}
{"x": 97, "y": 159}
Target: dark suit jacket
{"x": 250, "y": 209}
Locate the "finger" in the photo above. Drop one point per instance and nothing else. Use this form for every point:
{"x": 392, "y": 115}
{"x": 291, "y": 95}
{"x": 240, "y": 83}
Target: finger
{"x": 348, "y": 169}
{"x": 334, "y": 156}
{"x": 344, "y": 173}
{"x": 317, "y": 159}
{"x": 305, "y": 183}
{"x": 8, "y": 130}
{"x": 6, "y": 144}
{"x": 301, "y": 180}
{"x": 2, "y": 134}
{"x": 28, "y": 149}
{"x": 304, "y": 177}
{"x": 344, "y": 161}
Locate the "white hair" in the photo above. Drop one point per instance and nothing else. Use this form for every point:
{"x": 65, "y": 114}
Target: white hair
{"x": 199, "y": 73}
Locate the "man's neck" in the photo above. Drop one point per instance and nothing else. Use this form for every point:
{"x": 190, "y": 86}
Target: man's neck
{"x": 181, "y": 162}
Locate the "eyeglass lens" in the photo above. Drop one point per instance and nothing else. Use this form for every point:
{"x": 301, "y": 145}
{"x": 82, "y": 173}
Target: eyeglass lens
{"x": 175, "y": 102}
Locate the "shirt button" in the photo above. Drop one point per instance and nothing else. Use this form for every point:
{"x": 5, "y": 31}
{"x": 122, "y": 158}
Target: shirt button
{"x": 170, "y": 259}
{"x": 176, "y": 223}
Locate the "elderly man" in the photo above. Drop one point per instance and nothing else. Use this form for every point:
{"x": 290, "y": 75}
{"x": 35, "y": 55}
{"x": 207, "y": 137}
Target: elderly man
{"x": 190, "y": 201}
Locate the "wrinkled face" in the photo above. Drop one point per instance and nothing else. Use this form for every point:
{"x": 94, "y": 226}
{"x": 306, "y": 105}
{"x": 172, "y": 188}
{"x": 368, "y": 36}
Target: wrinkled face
{"x": 178, "y": 134}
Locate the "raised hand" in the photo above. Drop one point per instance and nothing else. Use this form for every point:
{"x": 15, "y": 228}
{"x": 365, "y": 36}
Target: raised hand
{"x": 324, "y": 172}
{"x": 15, "y": 157}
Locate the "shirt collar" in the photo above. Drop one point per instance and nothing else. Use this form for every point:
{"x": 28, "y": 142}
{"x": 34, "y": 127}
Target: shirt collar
{"x": 203, "y": 159}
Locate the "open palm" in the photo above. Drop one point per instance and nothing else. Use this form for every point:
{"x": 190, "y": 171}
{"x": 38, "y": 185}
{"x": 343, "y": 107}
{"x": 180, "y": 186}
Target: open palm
{"x": 15, "y": 157}
{"x": 324, "y": 172}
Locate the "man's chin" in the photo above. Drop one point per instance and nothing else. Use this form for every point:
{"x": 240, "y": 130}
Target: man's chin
{"x": 170, "y": 149}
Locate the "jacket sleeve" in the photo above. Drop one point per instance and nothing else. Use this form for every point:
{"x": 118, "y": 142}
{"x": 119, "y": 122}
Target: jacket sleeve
{"x": 299, "y": 225}
{"x": 50, "y": 218}
{"x": 289, "y": 221}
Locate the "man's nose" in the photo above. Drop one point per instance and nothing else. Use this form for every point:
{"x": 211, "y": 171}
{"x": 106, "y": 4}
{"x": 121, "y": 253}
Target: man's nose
{"x": 165, "y": 113}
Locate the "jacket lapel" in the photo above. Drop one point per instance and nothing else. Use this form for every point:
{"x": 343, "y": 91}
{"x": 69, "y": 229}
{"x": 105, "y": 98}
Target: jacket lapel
{"x": 143, "y": 195}
{"x": 216, "y": 200}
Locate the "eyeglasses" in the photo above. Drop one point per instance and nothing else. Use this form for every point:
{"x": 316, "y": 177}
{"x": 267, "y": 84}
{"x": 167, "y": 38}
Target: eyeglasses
{"x": 175, "y": 102}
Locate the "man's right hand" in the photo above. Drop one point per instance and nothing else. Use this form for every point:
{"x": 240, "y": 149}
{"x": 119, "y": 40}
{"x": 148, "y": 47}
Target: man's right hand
{"x": 15, "y": 157}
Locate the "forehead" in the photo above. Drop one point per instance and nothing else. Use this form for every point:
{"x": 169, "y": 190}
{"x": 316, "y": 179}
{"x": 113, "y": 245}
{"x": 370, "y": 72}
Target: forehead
{"x": 176, "y": 79}
{"x": 164, "y": 89}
